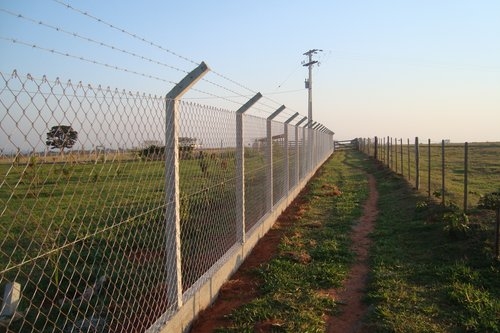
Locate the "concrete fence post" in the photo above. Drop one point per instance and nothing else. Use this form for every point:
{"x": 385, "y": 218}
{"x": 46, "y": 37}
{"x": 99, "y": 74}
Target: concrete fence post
{"x": 269, "y": 160}
{"x": 240, "y": 168}
{"x": 172, "y": 195}
{"x": 287, "y": 151}
{"x": 300, "y": 156}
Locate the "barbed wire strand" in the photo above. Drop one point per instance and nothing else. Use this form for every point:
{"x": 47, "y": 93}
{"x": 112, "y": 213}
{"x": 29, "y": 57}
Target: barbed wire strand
{"x": 88, "y": 39}
{"x": 144, "y": 40}
{"x": 109, "y": 46}
{"x": 96, "y": 62}
{"x": 81, "y": 58}
{"x": 135, "y": 36}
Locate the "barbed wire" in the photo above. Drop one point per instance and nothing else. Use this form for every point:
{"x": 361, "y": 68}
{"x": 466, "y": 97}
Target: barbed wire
{"x": 135, "y": 36}
{"x": 81, "y": 58}
{"x": 234, "y": 93}
{"x": 79, "y": 85}
{"x": 144, "y": 40}
{"x": 113, "y": 47}
{"x": 88, "y": 39}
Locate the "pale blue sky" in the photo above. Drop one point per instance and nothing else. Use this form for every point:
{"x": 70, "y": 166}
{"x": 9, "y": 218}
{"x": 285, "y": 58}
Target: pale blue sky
{"x": 428, "y": 68}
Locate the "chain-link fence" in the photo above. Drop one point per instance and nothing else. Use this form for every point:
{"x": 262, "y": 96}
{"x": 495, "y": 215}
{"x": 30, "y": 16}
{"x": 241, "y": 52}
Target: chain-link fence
{"x": 85, "y": 225}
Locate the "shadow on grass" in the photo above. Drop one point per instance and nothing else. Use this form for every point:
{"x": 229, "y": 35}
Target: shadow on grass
{"x": 422, "y": 279}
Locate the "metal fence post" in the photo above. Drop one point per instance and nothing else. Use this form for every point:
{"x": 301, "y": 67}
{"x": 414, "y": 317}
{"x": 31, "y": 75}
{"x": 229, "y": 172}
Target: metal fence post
{"x": 172, "y": 196}
{"x": 240, "y": 169}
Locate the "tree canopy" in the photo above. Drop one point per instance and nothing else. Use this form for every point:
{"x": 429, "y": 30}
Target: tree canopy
{"x": 61, "y": 137}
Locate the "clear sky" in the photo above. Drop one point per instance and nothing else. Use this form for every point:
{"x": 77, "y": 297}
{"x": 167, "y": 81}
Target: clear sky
{"x": 428, "y": 68}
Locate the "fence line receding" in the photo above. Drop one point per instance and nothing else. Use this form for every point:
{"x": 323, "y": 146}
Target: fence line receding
{"x": 86, "y": 204}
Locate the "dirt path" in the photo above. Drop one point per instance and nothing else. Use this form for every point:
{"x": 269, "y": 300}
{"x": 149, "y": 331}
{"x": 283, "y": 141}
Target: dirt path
{"x": 352, "y": 292}
{"x": 243, "y": 287}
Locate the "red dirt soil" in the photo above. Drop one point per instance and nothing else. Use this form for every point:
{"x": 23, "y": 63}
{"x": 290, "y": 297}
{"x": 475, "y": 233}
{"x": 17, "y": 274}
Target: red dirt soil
{"x": 243, "y": 285}
{"x": 353, "y": 289}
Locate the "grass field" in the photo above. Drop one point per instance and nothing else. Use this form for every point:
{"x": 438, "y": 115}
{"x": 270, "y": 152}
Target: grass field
{"x": 483, "y": 168}
{"x": 423, "y": 278}
{"x": 67, "y": 222}
{"x": 314, "y": 255}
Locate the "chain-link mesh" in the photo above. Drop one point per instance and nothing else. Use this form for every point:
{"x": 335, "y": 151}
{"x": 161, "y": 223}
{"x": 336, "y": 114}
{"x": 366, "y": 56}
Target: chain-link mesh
{"x": 255, "y": 143}
{"x": 83, "y": 225}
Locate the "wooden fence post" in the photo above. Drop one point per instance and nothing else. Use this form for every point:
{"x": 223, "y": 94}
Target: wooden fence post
{"x": 417, "y": 165}
{"x": 442, "y": 173}
{"x": 466, "y": 175}
{"x": 401, "y": 149}
{"x": 409, "y": 159}
{"x": 396, "y": 153}
{"x": 389, "y": 152}
{"x": 429, "y": 168}
{"x": 497, "y": 233}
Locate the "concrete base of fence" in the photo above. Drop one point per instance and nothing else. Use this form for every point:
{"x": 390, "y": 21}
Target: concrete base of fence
{"x": 205, "y": 293}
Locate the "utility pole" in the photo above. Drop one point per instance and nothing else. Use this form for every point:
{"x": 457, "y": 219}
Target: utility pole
{"x": 308, "y": 82}
{"x": 309, "y": 63}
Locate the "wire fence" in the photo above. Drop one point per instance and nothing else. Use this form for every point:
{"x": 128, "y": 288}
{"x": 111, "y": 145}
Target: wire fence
{"x": 461, "y": 173}
{"x": 91, "y": 236}
{"x": 462, "y": 176}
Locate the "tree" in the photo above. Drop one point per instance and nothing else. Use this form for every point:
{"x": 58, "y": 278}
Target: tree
{"x": 153, "y": 153}
{"x": 61, "y": 136}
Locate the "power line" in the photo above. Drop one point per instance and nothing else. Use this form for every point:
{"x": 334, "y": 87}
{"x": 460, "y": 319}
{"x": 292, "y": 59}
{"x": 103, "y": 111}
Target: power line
{"x": 133, "y": 54}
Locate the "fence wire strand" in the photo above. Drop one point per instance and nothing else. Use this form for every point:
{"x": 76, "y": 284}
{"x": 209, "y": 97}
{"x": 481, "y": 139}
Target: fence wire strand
{"x": 83, "y": 236}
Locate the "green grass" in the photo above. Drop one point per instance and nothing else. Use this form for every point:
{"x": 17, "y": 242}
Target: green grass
{"x": 483, "y": 168}
{"x": 65, "y": 224}
{"x": 313, "y": 256}
{"x": 422, "y": 279}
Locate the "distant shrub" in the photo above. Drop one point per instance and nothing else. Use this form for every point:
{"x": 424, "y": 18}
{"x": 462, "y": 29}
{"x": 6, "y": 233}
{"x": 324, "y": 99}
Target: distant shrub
{"x": 153, "y": 153}
{"x": 489, "y": 201}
